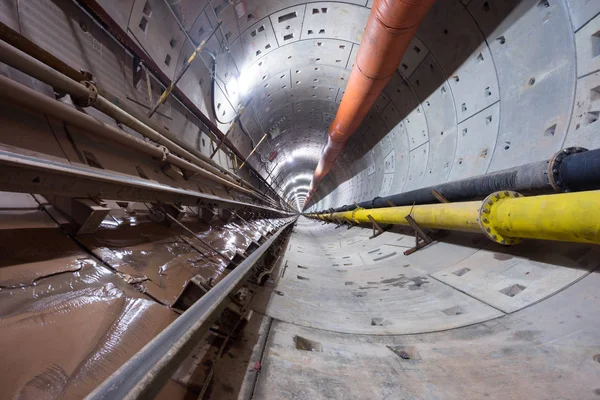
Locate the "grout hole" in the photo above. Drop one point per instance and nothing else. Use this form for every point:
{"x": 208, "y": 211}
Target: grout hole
{"x": 488, "y": 120}
{"x": 143, "y": 24}
{"x": 307, "y": 344}
{"x": 552, "y": 130}
{"x": 173, "y": 43}
{"x": 147, "y": 9}
{"x": 461, "y": 272}
{"x": 456, "y": 310}
{"x": 596, "y": 44}
{"x": 501, "y": 39}
{"x": 544, "y": 4}
{"x": 513, "y": 290}
{"x": 287, "y": 17}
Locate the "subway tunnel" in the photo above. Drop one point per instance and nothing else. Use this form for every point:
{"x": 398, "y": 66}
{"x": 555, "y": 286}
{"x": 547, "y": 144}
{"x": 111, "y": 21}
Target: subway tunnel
{"x": 167, "y": 231}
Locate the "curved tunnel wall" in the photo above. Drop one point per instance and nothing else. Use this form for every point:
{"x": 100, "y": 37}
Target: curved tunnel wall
{"x": 484, "y": 85}
{"x": 490, "y": 88}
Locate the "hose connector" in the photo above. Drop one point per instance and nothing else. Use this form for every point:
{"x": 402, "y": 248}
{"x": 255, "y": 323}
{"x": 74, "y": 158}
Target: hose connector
{"x": 554, "y": 176}
{"x": 487, "y": 217}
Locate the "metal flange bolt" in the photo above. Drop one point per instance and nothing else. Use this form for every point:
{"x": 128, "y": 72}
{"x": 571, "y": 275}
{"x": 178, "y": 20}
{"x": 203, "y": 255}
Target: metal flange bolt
{"x": 486, "y": 217}
{"x": 554, "y": 167}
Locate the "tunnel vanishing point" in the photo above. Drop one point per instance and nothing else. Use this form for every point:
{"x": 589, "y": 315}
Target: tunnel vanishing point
{"x": 277, "y": 199}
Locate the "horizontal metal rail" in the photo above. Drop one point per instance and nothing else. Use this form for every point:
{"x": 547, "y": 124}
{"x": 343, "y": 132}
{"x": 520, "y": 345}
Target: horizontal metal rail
{"x": 146, "y": 372}
{"x": 29, "y": 174}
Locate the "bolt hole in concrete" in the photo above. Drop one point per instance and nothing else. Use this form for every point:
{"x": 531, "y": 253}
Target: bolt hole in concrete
{"x": 379, "y": 321}
{"x": 597, "y": 358}
{"x": 513, "y": 290}
{"x": 405, "y": 352}
{"x": 307, "y": 344}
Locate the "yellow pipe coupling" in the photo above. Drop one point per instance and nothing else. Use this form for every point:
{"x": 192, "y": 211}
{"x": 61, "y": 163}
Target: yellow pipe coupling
{"x": 487, "y": 217}
{"x": 507, "y": 216}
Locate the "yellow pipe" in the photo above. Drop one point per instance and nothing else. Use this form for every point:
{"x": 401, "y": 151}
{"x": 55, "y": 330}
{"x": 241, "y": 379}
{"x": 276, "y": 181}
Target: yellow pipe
{"x": 504, "y": 217}
{"x": 567, "y": 217}
{"x": 454, "y": 216}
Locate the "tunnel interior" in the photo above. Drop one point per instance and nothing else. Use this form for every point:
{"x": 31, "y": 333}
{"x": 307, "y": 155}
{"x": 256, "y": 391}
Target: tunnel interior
{"x": 190, "y": 164}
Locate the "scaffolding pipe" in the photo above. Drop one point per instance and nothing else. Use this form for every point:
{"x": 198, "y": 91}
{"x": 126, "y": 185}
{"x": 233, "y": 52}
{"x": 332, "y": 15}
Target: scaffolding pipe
{"x": 504, "y": 217}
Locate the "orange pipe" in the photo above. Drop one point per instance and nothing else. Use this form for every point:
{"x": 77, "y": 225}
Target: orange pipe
{"x": 390, "y": 28}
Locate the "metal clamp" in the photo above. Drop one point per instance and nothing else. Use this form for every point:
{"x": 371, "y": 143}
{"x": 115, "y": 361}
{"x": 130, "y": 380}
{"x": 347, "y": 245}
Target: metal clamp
{"x": 554, "y": 167}
{"x": 90, "y": 99}
{"x": 486, "y": 219}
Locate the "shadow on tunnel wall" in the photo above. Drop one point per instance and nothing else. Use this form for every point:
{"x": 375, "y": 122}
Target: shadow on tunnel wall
{"x": 458, "y": 46}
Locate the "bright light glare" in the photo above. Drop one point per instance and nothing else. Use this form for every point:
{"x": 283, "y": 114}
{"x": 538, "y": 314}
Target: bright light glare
{"x": 245, "y": 81}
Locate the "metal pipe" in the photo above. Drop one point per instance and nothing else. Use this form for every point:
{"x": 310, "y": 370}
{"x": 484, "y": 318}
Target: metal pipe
{"x": 22, "y": 43}
{"x": 391, "y": 26}
{"x": 30, "y": 99}
{"x": 146, "y": 372}
{"x": 577, "y": 169}
{"x": 504, "y": 217}
{"x": 123, "y": 38}
{"x": 25, "y": 63}
{"x": 25, "y": 174}
{"x": 252, "y": 152}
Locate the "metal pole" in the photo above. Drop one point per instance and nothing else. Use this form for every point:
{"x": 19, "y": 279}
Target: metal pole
{"x": 25, "y": 63}
{"x": 122, "y": 37}
{"x": 145, "y": 373}
{"x": 187, "y": 65}
{"x": 252, "y": 152}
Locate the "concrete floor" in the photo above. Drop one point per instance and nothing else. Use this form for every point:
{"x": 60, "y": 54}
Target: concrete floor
{"x": 357, "y": 319}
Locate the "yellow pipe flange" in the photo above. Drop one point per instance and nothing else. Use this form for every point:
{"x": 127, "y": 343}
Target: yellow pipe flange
{"x": 487, "y": 218}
